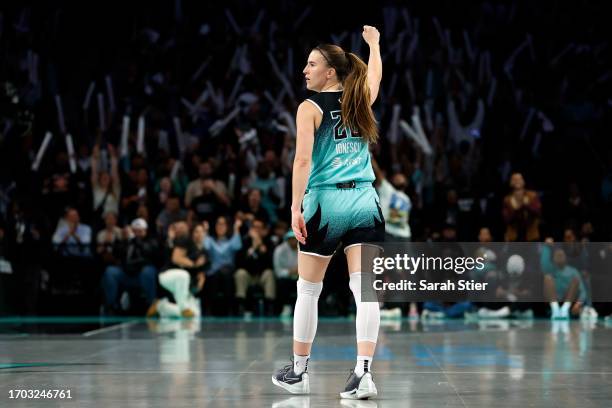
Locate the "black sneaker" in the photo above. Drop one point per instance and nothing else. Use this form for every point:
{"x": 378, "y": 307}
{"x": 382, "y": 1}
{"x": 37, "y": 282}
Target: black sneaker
{"x": 294, "y": 383}
{"x": 359, "y": 387}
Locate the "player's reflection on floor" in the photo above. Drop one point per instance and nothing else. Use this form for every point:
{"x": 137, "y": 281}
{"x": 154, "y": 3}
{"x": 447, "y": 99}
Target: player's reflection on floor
{"x": 175, "y": 338}
{"x": 303, "y": 401}
{"x": 299, "y": 401}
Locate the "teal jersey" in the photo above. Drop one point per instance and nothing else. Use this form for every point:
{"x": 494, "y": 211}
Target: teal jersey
{"x": 339, "y": 155}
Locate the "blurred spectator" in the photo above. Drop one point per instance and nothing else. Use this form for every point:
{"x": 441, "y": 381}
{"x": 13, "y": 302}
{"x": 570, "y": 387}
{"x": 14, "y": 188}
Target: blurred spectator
{"x": 163, "y": 192}
{"x": 512, "y": 283}
{"x": 395, "y": 206}
{"x": 143, "y": 212}
{"x": 211, "y": 202}
{"x": 252, "y": 208}
{"x": 587, "y": 232}
{"x": 206, "y": 184}
{"x": 171, "y": 214}
{"x": 521, "y": 212}
{"x": 278, "y": 233}
{"x": 58, "y": 191}
{"x": 137, "y": 255}
{"x": 484, "y": 235}
{"x": 575, "y": 251}
{"x": 576, "y": 210}
{"x": 71, "y": 238}
{"x": 106, "y": 187}
{"x": 222, "y": 250}
{"x": 255, "y": 267}
{"x": 136, "y": 192}
{"x": 458, "y": 214}
{"x": 184, "y": 276}
{"x": 394, "y": 203}
{"x": 108, "y": 240}
{"x": 23, "y": 247}
{"x": 286, "y": 272}
{"x": 198, "y": 274}
{"x": 173, "y": 169}
{"x": 562, "y": 283}
{"x": 266, "y": 183}
{"x": 447, "y": 212}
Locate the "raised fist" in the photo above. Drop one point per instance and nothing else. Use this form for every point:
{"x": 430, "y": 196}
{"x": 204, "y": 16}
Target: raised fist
{"x": 370, "y": 35}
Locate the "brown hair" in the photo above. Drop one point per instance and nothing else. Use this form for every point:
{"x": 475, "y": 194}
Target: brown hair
{"x": 353, "y": 73}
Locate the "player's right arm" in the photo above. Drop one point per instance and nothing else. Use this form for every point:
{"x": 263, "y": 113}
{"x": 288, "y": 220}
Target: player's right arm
{"x": 305, "y": 125}
{"x": 372, "y": 37}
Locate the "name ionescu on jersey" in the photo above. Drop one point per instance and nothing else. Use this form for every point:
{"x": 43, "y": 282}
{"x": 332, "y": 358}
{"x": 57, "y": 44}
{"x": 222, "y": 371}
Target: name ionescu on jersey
{"x": 348, "y": 147}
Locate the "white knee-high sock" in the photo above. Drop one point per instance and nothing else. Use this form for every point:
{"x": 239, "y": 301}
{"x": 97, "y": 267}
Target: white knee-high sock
{"x": 368, "y": 313}
{"x": 306, "y": 312}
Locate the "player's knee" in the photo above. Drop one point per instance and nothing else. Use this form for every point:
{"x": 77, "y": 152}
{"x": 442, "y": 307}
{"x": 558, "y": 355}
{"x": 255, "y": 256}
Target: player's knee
{"x": 308, "y": 288}
{"x": 355, "y": 285}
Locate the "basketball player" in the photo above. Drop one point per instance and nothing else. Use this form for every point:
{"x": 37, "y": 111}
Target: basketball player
{"x": 340, "y": 204}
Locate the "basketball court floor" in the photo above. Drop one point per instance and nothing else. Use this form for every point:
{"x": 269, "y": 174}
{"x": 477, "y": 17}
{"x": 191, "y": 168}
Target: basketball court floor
{"x": 228, "y": 363}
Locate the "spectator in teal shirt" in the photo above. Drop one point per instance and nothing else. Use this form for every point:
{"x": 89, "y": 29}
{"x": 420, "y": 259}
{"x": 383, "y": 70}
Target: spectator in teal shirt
{"x": 562, "y": 283}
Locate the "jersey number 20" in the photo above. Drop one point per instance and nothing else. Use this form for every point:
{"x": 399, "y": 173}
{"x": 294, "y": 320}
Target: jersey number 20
{"x": 340, "y": 131}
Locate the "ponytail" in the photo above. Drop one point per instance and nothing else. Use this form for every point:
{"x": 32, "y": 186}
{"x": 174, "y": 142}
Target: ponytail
{"x": 357, "y": 112}
{"x": 356, "y": 109}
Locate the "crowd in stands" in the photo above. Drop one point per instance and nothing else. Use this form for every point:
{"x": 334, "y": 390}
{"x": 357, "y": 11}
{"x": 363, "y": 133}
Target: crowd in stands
{"x": 147, "y": 149}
